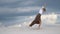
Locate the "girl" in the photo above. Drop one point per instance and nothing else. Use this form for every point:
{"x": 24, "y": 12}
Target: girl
{"x": 37, "y": 19}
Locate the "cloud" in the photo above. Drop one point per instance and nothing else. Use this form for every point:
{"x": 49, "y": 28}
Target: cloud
{"x": 15, "y": 6}
{"x": 28, "y": 9}
{"x": 18, "y": 10}
{"x": 16, "y": 3}
{"x": 28, "y": 2}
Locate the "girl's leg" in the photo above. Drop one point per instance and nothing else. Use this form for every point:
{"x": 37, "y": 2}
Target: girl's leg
{"x": 39, "y": 25}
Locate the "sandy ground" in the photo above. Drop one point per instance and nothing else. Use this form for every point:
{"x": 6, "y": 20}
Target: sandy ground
{"x": 28, "y": 30}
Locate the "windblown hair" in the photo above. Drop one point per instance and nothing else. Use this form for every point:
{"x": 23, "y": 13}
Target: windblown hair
{"x": 43, "y": 9}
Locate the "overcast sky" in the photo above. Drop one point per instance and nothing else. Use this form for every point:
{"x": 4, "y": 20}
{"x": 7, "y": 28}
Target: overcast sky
{"x": 26, "y": 7}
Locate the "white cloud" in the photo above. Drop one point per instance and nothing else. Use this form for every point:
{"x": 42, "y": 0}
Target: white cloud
{"x": 17, "y": 10}
{"x": 16, "y": 3}
{"x": 28, "y": 2}
{"x": 6, "y": 9}
{"x": 27, "y": 9}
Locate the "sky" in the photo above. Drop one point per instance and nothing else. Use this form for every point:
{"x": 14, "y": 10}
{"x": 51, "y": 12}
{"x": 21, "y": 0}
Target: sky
{"x": 24, "y": 7}
{"x": 11, "y": 9}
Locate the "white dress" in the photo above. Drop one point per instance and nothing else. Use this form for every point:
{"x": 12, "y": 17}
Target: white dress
{"x": 41, "y": 10}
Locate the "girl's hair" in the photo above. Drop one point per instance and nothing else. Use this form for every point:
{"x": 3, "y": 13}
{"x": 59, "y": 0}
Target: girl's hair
{"x": 43, "y": 9}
